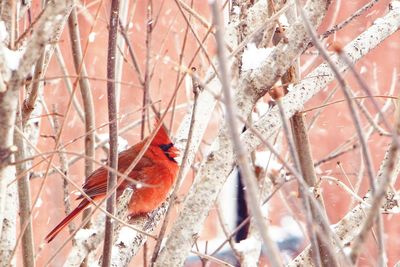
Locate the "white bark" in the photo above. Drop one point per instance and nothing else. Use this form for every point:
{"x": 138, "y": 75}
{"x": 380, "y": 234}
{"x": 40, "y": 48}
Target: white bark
{"x": 9, "y": 223}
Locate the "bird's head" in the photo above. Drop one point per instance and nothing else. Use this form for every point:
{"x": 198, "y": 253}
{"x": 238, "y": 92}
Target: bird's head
{"x": 164, "y": 142}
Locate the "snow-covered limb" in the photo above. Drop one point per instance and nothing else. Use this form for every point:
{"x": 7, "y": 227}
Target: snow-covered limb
{"x": 219, "y": 163}
{"x": 9, "y": 229}
{"x": 85, "y": 241}
{"x": 129, "y": 241}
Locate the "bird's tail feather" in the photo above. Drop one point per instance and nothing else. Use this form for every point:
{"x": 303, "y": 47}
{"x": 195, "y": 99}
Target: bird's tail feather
{"x": 67, "y": 220}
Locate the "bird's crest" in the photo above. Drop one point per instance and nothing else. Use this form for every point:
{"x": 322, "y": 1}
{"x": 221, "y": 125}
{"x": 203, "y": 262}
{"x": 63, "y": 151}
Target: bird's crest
{"x": 161, "y": 137}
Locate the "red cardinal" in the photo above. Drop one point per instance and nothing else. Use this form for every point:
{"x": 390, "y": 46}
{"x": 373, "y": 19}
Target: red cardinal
{"x": 157, "y": 168}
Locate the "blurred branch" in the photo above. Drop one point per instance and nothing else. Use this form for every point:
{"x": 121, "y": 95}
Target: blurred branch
{"x": 343, "y": 24}
{"x": 320, "y": 240}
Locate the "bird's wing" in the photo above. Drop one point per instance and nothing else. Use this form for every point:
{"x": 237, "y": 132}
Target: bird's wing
{"x": 96, "y": 183}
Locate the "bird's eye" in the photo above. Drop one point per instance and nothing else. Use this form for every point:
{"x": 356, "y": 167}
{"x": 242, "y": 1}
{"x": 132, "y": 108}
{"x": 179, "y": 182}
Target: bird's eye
{"x": 166, "y": 147}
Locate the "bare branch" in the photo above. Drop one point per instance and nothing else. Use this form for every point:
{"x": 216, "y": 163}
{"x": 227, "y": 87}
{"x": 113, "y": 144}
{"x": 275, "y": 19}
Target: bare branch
{"x": 113, "y": 133}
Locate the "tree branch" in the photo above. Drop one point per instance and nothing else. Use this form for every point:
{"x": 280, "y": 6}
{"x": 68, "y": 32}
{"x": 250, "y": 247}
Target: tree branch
{"x": 113, "y": 132}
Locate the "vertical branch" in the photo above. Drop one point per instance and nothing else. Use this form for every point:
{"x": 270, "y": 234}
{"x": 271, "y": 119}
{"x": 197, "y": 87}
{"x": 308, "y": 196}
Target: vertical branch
{"x": 70, "y": 88}
{"x": 303, "y": 149}
{"x": 302, "y": 184}
{"x": 67, "y": 81}
{"x": 87, "y": 98}
{"x": 29, "y": 103}
{"x": 24, "y": 197}
{"x": 252, "y": 194}
{"x": 113, "y": 128}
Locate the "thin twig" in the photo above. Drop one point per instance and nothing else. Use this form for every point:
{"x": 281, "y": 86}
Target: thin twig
{"x": 135, "y": 62}
{"x": 345, "y": 22}
{"x": 212, "y": 259}
{"x": 349, "y": 19}
{"x": 223, "y": 225}
{"x": 64, "y": 169}
{"x": 147, "y": 78}
{"x": 334, "y": 155}
{"x": 196, "y": 15}
{"x": 86, "y": 93}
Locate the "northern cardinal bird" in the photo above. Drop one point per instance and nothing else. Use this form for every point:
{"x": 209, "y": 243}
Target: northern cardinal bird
{"x": 157, "y": 168}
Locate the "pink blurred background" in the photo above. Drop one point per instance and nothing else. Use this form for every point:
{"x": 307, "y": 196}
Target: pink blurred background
{"x": 333, "y": 127}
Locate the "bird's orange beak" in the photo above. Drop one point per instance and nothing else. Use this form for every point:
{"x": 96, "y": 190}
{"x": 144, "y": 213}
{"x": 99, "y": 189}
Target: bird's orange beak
{"x": 173, "y": 152}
